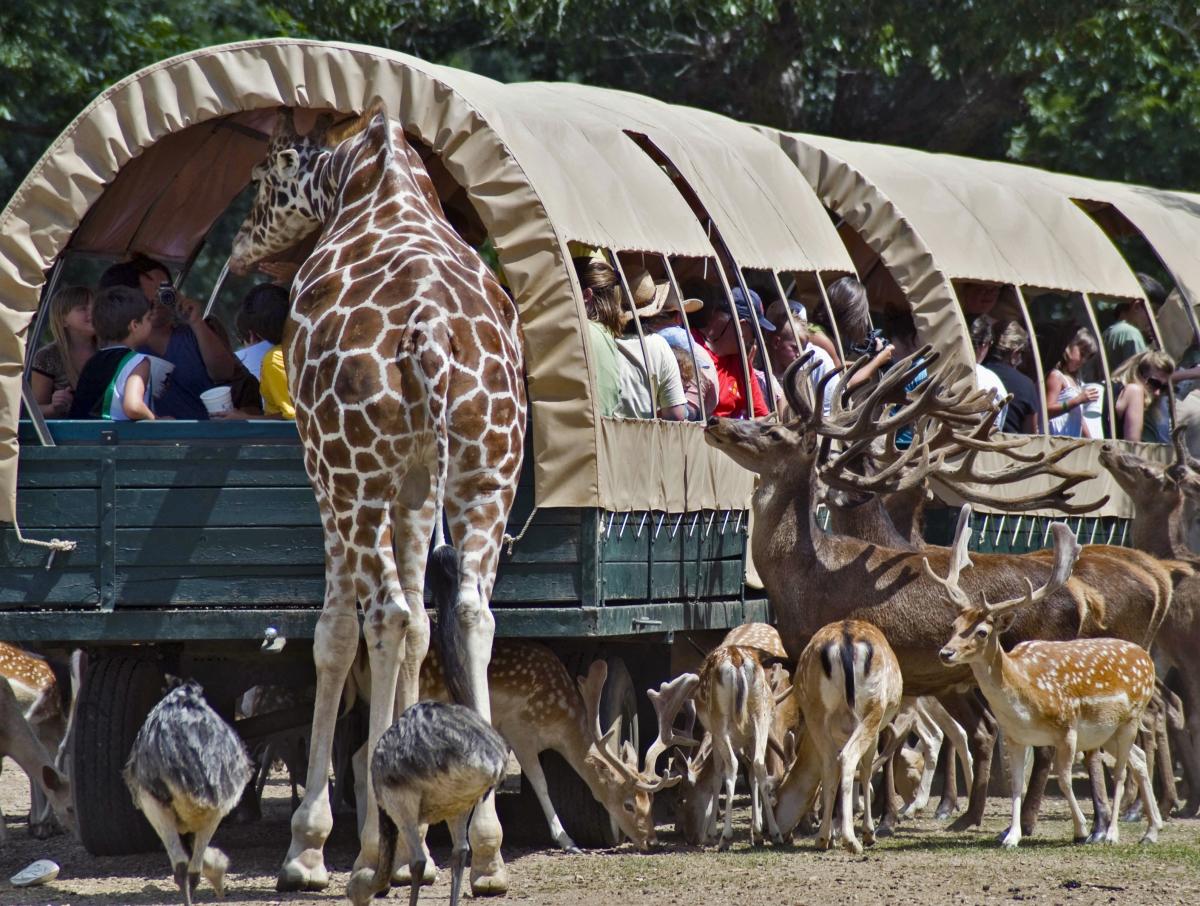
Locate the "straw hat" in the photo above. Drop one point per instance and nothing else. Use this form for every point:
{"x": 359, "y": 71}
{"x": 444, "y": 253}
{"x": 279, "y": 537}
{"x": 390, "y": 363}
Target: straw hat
{"x": 652, "y": 298}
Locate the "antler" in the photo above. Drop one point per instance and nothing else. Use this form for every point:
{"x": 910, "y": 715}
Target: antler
{"x": 668, "y": 701}
{"x": 960, "y": 559}
{"x": 592, "y": 688}
{"x": 1066, "y": 552}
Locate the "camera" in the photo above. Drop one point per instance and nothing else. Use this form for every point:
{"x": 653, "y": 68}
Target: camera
{"x": 167, "y": 295}
{"x": 869, "y": 344}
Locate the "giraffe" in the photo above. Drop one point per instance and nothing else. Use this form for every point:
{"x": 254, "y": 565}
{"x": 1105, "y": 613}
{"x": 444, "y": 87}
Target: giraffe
{"x": 404, "y": 360}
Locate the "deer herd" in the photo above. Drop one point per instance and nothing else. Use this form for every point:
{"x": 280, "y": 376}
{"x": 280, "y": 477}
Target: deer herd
{"x": 887, "y": 639}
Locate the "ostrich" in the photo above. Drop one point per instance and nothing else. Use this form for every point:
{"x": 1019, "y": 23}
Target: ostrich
{"x": 186, "y": 772}
{"x": 435, "y": 763}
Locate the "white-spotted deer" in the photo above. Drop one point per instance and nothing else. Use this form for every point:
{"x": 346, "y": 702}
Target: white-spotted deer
{"x": 18, "y": 742}
{"x": 39, "y": 698}
{"x": 814, "y": 578}
{"x": 1079, "y": 695}
{"x": 849, "y": 686}
{"x": 735, "y": 703}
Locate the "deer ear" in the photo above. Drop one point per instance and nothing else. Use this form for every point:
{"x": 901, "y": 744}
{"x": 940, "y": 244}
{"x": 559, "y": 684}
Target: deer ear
{"x": 1004, "y": 622}
{"x": 52, "y": 780}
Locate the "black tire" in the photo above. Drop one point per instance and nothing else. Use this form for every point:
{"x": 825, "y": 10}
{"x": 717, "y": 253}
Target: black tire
{"x": 118, "y": 692}
{"x": 585, "y": 819}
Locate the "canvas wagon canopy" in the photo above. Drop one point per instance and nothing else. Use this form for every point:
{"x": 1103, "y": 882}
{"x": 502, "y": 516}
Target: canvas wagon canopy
{"x": 934, "y": 218}
{"x": 155, "y": 159}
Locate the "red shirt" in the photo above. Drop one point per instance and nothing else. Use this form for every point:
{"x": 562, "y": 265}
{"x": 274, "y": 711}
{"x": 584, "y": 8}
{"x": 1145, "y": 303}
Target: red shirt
{"x": 731, "y": 397}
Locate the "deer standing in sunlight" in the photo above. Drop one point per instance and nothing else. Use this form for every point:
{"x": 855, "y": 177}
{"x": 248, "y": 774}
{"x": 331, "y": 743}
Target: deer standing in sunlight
{"x": 1079, "y": 695}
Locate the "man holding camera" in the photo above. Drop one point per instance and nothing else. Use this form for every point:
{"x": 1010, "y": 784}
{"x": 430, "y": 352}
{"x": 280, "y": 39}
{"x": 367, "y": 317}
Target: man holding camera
{"x": 178, "y": 335}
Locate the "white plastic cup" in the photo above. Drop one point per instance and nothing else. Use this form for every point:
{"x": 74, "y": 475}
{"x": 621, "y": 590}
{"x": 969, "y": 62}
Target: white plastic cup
{"x": 217, "y": 399}
{"x": 1094, "y": 408}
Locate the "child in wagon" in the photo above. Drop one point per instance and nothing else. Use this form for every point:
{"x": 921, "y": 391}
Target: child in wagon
{"x": 264, "y": 312}
{"x": 119, "y": 383}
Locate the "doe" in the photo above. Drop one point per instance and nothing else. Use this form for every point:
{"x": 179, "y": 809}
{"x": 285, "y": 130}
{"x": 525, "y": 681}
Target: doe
{"x": 1077, "y": 695}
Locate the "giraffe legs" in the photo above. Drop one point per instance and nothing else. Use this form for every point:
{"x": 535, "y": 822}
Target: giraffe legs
{"x": 334, "y": 645}
{"x": 475, "y": 526}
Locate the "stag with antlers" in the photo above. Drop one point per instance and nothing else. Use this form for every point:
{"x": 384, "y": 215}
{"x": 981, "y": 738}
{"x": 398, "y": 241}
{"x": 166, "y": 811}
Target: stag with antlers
{"x": 813, "y": 578}
{"x": 1076, "y": 695}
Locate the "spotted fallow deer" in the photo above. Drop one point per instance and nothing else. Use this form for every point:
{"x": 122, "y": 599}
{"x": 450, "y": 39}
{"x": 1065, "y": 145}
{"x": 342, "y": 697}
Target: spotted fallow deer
{"x": 734, "y": 702}
{"x": 1079, "y": 695}
{"x": 1129, "y": 595}
{"x": 849, "y": 685}
{"x": 813, "y": 578}
{"x": 18, "y": 742}
{"x": 39, "y": 698}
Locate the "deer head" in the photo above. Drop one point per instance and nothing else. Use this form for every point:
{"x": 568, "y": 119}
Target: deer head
{"x": 286, "y": 208}
{"x": 979, "y": 625}
{"x": 626, "y": 793}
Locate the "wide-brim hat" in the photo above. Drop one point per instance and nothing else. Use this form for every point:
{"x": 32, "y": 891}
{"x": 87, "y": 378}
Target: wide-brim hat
{"x": 651, "y": 298}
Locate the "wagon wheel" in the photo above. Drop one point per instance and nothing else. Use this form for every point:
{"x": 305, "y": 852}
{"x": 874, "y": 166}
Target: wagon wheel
{"x": 585, "y": 819}
{"x": 118, "y": 692}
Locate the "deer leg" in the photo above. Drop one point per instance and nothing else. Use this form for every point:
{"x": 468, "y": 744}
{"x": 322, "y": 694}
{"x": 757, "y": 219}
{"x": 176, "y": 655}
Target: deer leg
{"x": 1165, "y": 768}
{"x": 978, "y": 721}
{"x": 948, "y": 804}
{"x": 1016, "y": 769}
{"x": 1043, "y": 759}
{"x": 1101, "y": 813}
{"x": 829, "y": 792}
{"x": 531, "y": 767}
{"x": 727, "y": 759}
{"x": 858, "y": 748}
{"x": 334, "y": 646}
{"x": 761, "y": 784}
{"x": 1187, "y": 737}
{"x": 864, "y": 778}
{"x": 890, "y": 813}
{"x": 930, "y": 746}
{"x": 1154, "y": 821}
{"x": 1065, "y": 764}
{"x": 1121, "y": 742}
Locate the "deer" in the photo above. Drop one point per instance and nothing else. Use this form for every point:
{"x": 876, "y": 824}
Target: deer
{"x": 813, "y": 578}
{"x": 1130, "y": 591}
{"x": 19, "y": 742}
{"x": 39, "y": 697}
{"x": 735, "y": 703}
{"x": 1082, "y": 694}
{"x": 1158, "y": 527}
{"x": 537, "y": 707}
{"x": 849, "y": 686}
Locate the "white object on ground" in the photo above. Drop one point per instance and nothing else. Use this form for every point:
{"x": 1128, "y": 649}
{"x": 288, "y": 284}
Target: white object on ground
{"x": 43, "y": 871}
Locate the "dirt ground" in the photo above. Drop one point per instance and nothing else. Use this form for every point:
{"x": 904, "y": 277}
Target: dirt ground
{"x": 922, "y": 864}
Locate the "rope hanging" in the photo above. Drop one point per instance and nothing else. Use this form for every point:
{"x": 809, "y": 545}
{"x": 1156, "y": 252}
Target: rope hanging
{"x": 54, "y": 545}
{"x": 510, "y": 540}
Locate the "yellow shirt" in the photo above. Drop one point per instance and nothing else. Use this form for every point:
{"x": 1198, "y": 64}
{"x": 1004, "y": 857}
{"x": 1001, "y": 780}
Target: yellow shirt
{"x": 273, "y": 385}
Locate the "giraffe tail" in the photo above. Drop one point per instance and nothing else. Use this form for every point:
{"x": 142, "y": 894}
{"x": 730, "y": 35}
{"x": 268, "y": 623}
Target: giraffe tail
{"x": 443, "y": 587}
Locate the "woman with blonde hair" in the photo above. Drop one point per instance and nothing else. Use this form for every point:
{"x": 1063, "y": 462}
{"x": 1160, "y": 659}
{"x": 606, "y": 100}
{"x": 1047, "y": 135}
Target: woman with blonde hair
{"x": 56, "y": 366}
{"x": 1138, "y": 384}
{"x": 1065, "y": 395}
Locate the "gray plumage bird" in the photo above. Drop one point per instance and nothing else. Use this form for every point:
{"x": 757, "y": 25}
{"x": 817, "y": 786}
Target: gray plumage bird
{"x": 186, "y": 771}
{"x": 435, "y": 763}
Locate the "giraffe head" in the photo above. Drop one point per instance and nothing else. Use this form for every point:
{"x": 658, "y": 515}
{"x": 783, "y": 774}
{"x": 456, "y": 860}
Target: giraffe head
{"x": 286, "y": 208}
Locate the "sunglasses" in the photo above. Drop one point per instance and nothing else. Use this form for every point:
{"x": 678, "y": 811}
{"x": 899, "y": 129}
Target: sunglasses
{"x": 1156, "y": 384}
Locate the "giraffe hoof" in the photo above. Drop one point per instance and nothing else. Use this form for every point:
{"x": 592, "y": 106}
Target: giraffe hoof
{"x": 850, "y": 844}
{"x": 490, "y": 884}
{"x": 296, "y": 876}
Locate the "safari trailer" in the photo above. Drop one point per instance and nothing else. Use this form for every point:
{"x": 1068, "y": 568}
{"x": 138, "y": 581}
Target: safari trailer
{"x": 195, "y": 547}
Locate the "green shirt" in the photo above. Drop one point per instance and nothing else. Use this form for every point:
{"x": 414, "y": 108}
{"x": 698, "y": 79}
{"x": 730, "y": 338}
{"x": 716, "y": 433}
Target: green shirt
{"x": 604, "y": 357}
{"x": 1121, "y": 341}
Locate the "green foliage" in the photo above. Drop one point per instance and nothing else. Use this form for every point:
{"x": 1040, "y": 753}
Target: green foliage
{"x": 1109, "y": 88}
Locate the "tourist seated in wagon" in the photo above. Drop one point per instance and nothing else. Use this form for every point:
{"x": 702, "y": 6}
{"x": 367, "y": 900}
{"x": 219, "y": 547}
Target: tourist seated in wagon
{"x": 793, "y": 338}
{"x": 636, "y": 376}
{"x": 264, "y": 312}
{"x": 1137, "y": 386}
{"x": 119, "y": 383}
{"x": 1004, "y": 359}
{"x": 56, "y": 365}
{"x": 983, "y": 331}
{"x": 662, "y": 316}
{"x": 712, "y": 331}
{"x": 1066, "y": 395}
{"x": 851, "y": 310}
{"x": 179, "y": 336}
